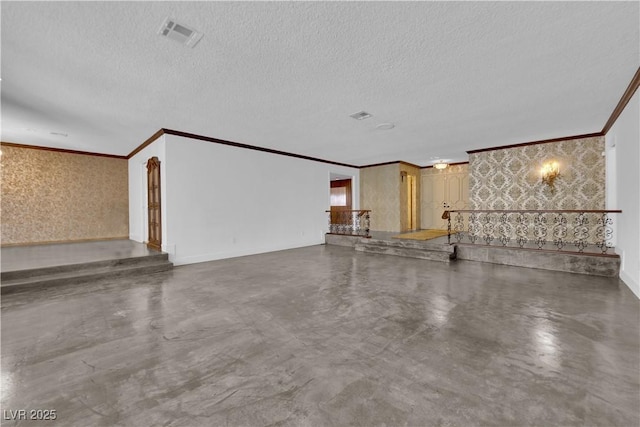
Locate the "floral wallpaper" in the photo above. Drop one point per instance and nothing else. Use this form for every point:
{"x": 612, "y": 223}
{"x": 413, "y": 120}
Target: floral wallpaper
{"x": 510, "y": 178}
{"x": 50, "y": 196}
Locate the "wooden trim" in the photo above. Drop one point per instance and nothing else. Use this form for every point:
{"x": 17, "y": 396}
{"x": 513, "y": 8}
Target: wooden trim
{"x": 543, "y": 141}
{"x": 337, "y": 183}
{"x": 61, "y": 150}
{"x": 154, "y": 204}
{"x": 149, "y": 140}
{"x": 626, "y": 97}
{"x": 538, "y": 210}
{"x": 57, "y": 242}
{"x": 360, "y": 211}
{"x": 349, "y": 235}
{"x": 252, "y": 147}
{"x": 402, "y": 162}
{"x": 379, "y": 164}
{"x": 450, "y": 164}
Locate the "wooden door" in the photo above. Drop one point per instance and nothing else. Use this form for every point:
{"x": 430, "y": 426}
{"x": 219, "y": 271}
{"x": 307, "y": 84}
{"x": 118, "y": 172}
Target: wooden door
{"x": 442, "y": 191}
{"x": 340, "y": 201}
{"x": 153, "y": 204}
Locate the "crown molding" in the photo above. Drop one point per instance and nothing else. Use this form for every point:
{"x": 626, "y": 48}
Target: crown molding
{"x": 164, "y": 131}
{"x": 402, "y": 162}
{"x": 61, "y": 150}
{"x": 543, "y": 141}
{"x": 148, "y": 141}
{"x": 450, "y": 164}
{"x": 626, "y": 97}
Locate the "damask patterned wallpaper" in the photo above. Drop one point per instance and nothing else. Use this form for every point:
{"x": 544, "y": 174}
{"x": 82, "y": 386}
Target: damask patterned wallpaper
{"x": 510, "y": 178}
{"x": 380, "y": 192}
{"x": 50, "y": 196}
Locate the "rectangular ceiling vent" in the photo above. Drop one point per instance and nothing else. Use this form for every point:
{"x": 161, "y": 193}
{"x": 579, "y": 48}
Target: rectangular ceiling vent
{"x": 180, "y": 33}
{"x": 360, "y": 115}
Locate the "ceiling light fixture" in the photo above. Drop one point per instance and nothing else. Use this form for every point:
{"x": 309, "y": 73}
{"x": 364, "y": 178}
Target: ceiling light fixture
{"x": 385, "y": 126}
{"x": 440, "y": 165}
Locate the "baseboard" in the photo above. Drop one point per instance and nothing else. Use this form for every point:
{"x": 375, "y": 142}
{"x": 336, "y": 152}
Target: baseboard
{"x": 136, "y": 238}
{"x": 631, "y": 284}
{"x": 214, "y": 256}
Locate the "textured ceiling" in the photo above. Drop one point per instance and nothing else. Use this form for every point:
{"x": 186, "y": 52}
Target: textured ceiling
{"x": 451, "y": 76}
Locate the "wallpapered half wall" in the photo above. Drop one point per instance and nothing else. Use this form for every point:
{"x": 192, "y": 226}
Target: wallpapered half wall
{"x": 510, "y": 178}
{"x": 50, "y": 196}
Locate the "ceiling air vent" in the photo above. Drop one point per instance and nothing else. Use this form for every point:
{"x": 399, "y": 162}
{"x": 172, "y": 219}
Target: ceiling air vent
{"x": 180, "y": 33}
{"x": 360, "y": 115}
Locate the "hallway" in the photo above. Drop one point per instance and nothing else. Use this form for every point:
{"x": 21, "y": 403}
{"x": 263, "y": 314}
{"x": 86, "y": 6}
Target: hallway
{"x": 324, "y": 335}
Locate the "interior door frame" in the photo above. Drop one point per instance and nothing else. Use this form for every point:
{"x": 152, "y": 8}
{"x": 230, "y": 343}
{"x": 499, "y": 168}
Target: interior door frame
{"x": 412, "y": 199}
{"x": 153, "y": 167}
{"x": 145, "y": 202}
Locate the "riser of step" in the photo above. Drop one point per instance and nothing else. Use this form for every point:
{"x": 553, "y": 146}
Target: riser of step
{"x": 406, "y": 252}
{"x": 88, "y": 266}
{"x": 546, "y": 260}
{"x": 411, "y": 244}
{"x": 65, "y": 278}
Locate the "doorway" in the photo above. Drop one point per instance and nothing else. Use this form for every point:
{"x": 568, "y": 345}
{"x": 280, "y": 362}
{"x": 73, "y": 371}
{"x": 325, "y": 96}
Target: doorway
{"x": 154, "y": 213}
{"x": 412, "y": 210}
{"x": 340, "y": 201}
{"x": 443, "y": 191}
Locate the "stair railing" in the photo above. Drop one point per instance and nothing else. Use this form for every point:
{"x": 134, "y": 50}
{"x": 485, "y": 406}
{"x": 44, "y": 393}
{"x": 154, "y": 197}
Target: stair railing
{"x": 561, "y": 230}
{"x": 350, "y": 222}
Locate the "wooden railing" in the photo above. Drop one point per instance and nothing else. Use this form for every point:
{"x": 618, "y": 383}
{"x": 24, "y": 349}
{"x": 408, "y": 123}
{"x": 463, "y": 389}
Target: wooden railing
{"x": 349, "y": 222}
{"x": 562, "y": 230}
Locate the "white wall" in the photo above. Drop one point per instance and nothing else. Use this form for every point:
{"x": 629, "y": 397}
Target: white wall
{"x": 138, "y": 230}
{"x": 625, "y": 135}
{"x": 220, "y": 201}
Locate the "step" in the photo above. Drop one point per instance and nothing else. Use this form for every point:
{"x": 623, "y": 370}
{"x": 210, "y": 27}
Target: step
{"x": 410, "y": 249}
{"x": 594, "y": 264}
{"x": 410, "y": 244}
{"x": 84, "y": 275}
{"x": 74, "y": 268}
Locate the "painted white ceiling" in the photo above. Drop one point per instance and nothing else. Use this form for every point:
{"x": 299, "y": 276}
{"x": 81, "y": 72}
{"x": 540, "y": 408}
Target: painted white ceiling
{"x": 451, "y": 76}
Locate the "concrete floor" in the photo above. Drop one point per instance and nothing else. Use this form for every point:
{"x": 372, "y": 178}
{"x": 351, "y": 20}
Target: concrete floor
{"x": 328, "y": 336}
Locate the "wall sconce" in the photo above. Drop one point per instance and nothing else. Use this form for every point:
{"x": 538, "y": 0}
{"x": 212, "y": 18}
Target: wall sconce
{"x": 403, "y": 175}
{"x": 550, "y": 171}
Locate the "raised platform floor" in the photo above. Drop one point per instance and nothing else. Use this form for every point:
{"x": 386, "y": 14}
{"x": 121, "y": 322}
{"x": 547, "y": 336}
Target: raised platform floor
{"x": 26, "y": 267}
{"x": 591, "y": 261}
